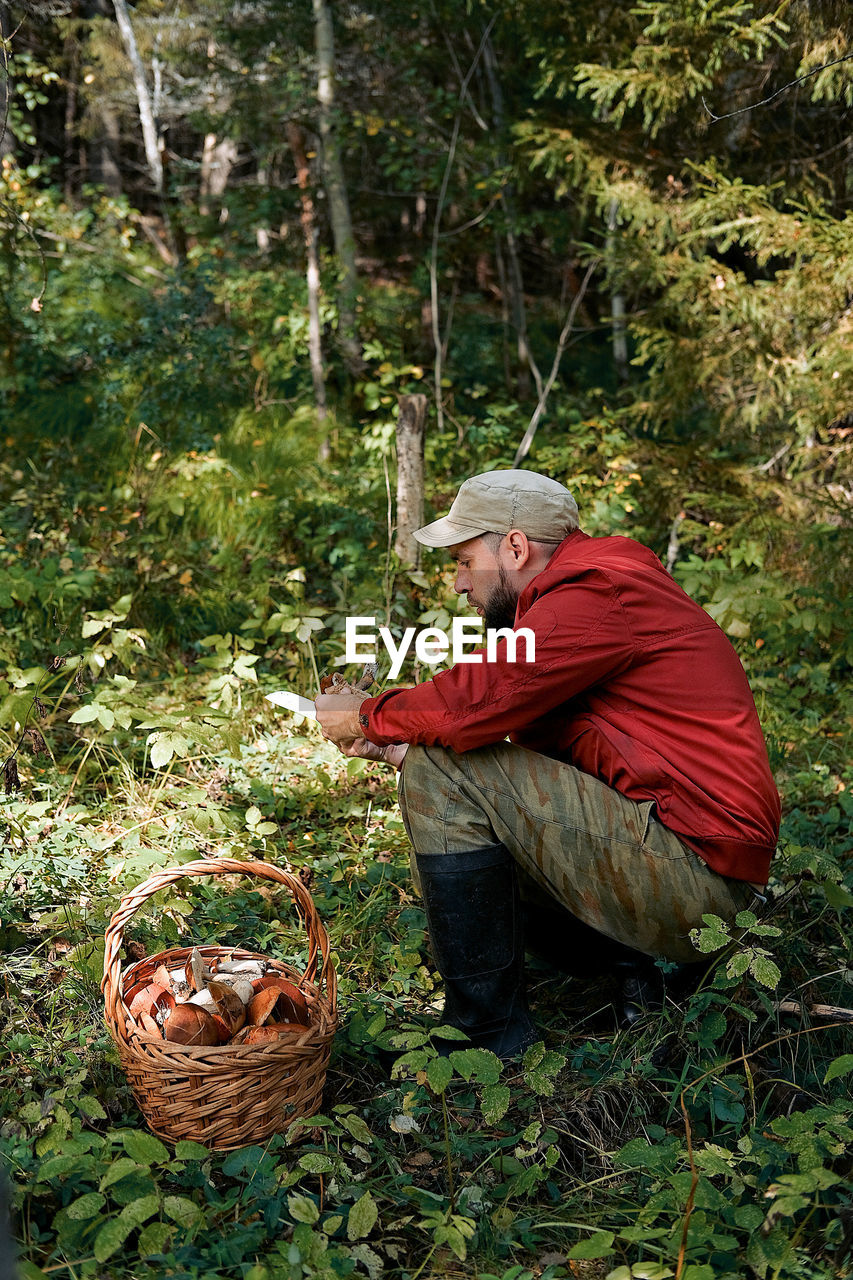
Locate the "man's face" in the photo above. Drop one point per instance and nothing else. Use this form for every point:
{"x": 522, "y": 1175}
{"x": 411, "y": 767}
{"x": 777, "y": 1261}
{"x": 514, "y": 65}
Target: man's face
{"x": 489, "y": 588}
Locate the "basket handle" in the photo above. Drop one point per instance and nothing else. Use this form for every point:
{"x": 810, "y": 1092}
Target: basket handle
{"x": 318, "y": 939}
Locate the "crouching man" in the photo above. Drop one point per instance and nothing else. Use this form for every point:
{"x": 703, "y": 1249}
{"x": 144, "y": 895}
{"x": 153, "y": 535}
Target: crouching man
{"x": 634, "y": 793}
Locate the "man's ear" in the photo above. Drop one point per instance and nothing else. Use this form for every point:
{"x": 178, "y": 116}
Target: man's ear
{"x": 518, "y": 548}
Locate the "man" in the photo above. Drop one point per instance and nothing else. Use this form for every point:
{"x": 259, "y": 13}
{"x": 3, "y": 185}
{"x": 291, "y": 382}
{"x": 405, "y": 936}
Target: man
{"x": 634, "y": 789}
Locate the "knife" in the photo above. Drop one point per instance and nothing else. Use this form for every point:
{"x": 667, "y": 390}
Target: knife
{"x": 293, "y": 702}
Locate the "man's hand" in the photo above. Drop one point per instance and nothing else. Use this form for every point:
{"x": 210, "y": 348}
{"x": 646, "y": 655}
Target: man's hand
{"x": 337, "y": 716}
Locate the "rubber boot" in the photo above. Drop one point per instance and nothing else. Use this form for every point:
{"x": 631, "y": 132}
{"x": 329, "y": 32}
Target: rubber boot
{"x": 555, "y": 935}
{"x": 475, "y": 925}
{"x": 568, "y": 944}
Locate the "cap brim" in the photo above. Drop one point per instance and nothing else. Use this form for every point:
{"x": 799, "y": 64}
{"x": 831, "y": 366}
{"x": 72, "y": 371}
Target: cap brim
{"x": 446, "y": 533}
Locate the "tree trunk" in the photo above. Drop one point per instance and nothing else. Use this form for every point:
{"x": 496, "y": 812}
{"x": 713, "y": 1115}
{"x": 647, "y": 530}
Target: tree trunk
{"x": 336, "y": 192}
{"x": 218, "y": 157}
{"x": 105, "y": 150}
{"x": 617, "y": 301}
{"x": 296, "y": 141}
{"x": 514, "y": 283}
{"x": 71, "y": 68}
{"x": 411, "y": 425}
{"x": 7, "y": 141}
{"x": 147, "y": 120}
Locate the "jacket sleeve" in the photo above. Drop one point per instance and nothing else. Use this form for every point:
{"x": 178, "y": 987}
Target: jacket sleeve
{"x": 581, "y": 637}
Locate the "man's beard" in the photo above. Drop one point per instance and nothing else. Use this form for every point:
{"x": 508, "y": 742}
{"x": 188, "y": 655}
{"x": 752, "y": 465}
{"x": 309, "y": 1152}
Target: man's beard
{"x": 499, "y": 609}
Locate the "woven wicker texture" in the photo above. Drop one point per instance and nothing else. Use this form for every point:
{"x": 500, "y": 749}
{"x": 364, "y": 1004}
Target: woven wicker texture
{"x": 229, "y": 1095}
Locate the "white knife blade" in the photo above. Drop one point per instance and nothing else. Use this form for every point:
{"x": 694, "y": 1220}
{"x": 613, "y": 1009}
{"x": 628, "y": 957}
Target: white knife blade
{"x": 293, "y": 702}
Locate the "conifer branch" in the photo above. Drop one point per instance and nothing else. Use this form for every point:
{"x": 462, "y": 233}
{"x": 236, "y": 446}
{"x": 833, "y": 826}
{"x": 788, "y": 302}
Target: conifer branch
{"x": 789, "y": 85}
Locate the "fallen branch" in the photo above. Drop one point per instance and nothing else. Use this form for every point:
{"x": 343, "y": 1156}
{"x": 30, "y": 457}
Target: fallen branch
{"x": 831, "y": 1011}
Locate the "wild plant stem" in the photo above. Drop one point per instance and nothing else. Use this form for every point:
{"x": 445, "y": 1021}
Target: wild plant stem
{"x": 450, "y": 1182}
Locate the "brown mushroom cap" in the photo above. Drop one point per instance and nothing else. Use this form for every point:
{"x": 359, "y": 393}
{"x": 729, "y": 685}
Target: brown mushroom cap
{"x": 190, "y": 1024}
{"x": 150, "y": 1000}
{"x": 289, "y": 1004}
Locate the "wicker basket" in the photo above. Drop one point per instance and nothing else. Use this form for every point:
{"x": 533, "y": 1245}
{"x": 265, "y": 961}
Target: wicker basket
{"x": 229, "y": 1095}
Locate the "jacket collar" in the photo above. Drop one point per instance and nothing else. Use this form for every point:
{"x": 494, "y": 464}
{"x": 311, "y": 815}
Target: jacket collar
{"x": 563, "y": 556}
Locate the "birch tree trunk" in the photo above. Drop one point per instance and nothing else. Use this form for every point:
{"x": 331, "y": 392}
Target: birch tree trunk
{"x": 411, "y": 425}
{"x": 296, "y": 141}
{"x": 336, "y": 192}
{"x": 218, "y": 157}
{"x": 143, "y": 97}
{"x": 7, "y": 142}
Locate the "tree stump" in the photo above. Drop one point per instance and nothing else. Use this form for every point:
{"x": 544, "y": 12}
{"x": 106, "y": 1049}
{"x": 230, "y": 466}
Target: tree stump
{"x": 411, "y": 426}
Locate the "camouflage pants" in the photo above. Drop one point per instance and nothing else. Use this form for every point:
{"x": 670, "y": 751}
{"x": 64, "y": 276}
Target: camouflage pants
{"x": 602, "y": 856}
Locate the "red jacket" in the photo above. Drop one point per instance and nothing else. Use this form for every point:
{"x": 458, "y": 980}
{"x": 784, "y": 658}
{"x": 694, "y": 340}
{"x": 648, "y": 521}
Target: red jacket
{"x": 634, "y": 683}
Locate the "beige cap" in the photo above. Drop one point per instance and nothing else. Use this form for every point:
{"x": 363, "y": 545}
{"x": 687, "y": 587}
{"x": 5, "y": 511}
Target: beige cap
{"x": 498, "y": 501}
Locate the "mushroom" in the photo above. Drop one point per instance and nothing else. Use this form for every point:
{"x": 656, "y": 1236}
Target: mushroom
{"x": 196, "y": 974}
{"x": 238, "y": 982}
{"x": 189, "y": 1024}
{"x": 151, "y": 999}
{"x": 276, "y": 999}
{"x": 224, "y": 1005}
{"x": 148, "y": 1024}
{"x": 268, "y": 1033}
{"x": 250, "y": 966}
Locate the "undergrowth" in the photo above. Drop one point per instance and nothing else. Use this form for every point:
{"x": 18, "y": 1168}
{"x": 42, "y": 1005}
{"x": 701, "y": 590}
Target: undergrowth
{"x": 149, "y": 597}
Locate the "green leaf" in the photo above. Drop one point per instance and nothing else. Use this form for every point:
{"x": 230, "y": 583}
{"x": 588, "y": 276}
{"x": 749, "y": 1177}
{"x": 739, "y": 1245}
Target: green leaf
{"x": 837, "y": 896}
{"x": 86, "y": 1206}
{"x": 144, "y": 1147}
{"x": 161, "y": 749}
{"x": 29, "y": 1271}
{"x": 302, "y": 1209}
{"x": 120, "y": 1169}
{"x": 140, "y": 1210}
{"x": 362, "y": 1217}
{"x": 181, "y": 1210}
{"x": 186, "y": 1150}
{"x": 597, "y": 1246}
{"x": 766, "y": 971}
{"x": 640, "y": 1154}
{"x": 84, "y": 715}
{"x": 446, "y": 1032}
{"x": 113, "y": 1234}
{"x": 839, "y": 1067}
{"x": 494, "y": 1103}
{"x": 154, "y": 1239}
{"x": 476, "y": 1064}
{"x": 357, "y": 1128}
{"x": 450, "y": 1234}
{"x": 91, "y": 1107}
{"x": 315, "y": 1162}
{"x": 439, "y": 1074}
{"x": 738, "y": 965}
